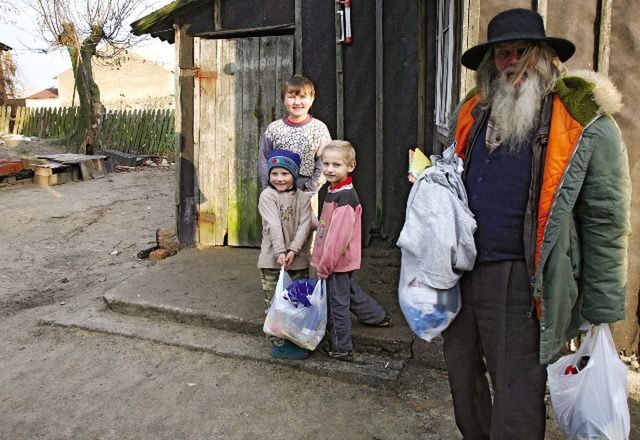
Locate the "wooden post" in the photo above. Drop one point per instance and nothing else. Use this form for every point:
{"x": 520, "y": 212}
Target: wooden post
{"x": 379, "y": 111}
{"x": 470, "y": 36}
{"x": 339, "y": 82}
{"x": 297, "y": 36}
{"x": 217, "y": 15}
{"x": 540, "y": 6}
{"x": 183, "y": 128}
{"x": 602, "y": 50}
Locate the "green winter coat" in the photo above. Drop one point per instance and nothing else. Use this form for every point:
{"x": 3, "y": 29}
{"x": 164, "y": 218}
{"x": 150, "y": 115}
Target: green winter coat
{"x": 583, "y": 219}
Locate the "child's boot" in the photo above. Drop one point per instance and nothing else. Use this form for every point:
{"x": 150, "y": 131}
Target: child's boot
{"x": 288, "y": 350}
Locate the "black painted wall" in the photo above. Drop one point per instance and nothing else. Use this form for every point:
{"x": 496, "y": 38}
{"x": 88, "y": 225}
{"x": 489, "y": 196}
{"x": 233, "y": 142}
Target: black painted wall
{"x": 400, "y": 124}
{"x": 401, "y": 26}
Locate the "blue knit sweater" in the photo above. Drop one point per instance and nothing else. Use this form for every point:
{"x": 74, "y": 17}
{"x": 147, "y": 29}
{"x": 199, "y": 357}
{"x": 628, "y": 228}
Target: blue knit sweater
{"x": 497, "y": 185}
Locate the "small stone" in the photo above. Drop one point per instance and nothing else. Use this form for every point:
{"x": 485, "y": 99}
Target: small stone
{"x": 158, "y": 254}
{"x": 64, "y": 280}
{"x": 166, "y": 239}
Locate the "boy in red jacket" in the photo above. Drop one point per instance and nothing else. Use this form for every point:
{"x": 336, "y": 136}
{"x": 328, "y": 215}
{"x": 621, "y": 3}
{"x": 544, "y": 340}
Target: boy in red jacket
{"x": 336, "y": 252}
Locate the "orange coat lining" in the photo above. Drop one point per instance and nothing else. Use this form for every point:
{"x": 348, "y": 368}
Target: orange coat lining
{"x": 464, "y": 126}
{"x": 563, "y": 137}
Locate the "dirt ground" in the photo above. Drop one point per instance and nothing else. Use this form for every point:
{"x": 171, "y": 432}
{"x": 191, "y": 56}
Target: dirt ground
{"x": 74, "y": 242}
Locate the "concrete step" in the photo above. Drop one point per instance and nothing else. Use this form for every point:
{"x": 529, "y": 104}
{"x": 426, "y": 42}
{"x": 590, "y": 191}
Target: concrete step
{"x": 220, "y": 288}
{"x": 367, "y": 368}
{"x": 365, "y": 339}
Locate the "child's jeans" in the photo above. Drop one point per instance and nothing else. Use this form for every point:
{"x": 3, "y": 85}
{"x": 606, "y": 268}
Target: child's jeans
{"x": 344, "y": 295}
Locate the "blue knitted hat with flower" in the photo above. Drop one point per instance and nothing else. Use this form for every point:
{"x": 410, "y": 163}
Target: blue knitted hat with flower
{"x": 286, "y": 159}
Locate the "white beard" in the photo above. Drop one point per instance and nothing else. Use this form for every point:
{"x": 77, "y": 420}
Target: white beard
{"x": 515, "y": 109}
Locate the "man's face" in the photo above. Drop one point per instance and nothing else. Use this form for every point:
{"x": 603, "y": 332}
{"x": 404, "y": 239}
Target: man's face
{"x": 509, "y": 54}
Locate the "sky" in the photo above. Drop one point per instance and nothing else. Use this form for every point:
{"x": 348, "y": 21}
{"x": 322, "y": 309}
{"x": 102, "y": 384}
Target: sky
{"x": 38, "y": 64}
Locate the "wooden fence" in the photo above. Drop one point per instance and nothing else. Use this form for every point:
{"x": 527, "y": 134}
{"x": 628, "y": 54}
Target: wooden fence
{"x": 143, "y": 132}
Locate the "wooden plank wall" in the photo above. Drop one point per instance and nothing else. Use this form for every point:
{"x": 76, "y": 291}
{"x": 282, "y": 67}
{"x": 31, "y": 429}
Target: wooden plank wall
{"x": 186, "y": 187}
{"x": 238, "y": 90}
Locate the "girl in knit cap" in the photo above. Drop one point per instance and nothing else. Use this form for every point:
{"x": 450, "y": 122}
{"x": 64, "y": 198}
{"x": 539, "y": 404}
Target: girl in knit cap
{"x": 286, "y": 231}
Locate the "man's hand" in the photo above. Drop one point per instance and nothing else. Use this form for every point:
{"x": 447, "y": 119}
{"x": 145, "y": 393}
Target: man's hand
{"x": 282, "y": 260}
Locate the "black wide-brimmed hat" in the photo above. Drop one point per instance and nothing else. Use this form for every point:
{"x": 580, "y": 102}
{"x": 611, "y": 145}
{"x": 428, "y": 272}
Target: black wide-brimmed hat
{"x": 516, "y": 24}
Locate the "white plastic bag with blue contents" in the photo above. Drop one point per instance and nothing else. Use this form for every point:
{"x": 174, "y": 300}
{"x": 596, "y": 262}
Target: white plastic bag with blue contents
{"x": 589, "y": 390}
{"x": 427, "y": 310}
{"x": 299, "y": 318}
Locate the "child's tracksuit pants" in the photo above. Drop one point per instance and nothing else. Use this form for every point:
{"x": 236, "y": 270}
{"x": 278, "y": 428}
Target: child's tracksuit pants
{"x": 344, "y": 295}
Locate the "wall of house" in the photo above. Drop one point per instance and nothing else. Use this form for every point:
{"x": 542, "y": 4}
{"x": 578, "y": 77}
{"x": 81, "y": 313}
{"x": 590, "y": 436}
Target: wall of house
{"x": 489, "y": 8}
{"x": 400, "y": 108}
{"x": 576, "y": 24}
{"x": 624, "y": 71}
{"x": 135, "y": 83}
{"x": 53, "y": 102}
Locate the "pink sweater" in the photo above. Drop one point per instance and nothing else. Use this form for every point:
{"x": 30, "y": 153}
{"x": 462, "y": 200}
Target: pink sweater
{"x": 337, "y": 246}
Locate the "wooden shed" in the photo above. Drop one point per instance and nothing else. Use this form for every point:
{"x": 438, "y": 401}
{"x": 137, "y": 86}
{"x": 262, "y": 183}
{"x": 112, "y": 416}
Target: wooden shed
{"x": 233, "y": 57}
{"x": 391, "y": 88}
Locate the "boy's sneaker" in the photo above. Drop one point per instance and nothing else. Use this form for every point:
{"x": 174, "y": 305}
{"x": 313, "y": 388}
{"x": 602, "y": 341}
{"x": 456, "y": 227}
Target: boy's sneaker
{"x": 387, "y": 321}
{"x": 288, "y": 350}
{"x": 346, "y": 356}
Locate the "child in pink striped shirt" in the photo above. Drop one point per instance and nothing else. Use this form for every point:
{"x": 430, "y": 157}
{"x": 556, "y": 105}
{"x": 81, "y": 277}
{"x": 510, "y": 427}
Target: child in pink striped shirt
{"x": 336, "y": 252}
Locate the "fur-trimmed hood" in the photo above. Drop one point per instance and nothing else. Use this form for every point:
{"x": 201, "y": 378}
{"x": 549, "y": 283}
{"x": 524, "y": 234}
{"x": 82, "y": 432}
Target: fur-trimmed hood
{"x": 587, "y": 94}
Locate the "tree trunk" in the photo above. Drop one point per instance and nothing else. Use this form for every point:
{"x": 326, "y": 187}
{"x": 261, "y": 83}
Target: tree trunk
{"x": 89, "y": 119}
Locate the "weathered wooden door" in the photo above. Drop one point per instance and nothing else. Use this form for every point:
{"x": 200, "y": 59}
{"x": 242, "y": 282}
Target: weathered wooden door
{"x": 237, "y": 94}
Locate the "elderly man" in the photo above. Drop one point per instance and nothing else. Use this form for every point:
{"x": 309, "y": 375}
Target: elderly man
{"x": 547, "y": 179}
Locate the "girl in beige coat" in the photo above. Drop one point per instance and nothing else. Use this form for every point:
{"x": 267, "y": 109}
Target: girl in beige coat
{"x": 286, "y": 235}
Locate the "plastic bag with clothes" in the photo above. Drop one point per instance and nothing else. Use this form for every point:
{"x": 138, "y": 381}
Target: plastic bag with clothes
{"x": 589, "y": 390}
{"x": 427, "y": 310}
{"x": 437, "y": 246}
{"x": 298, "y": 311}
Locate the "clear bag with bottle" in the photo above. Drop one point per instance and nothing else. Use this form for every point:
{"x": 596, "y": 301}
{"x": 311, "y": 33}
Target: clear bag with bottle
{"x": 589, "y": 389}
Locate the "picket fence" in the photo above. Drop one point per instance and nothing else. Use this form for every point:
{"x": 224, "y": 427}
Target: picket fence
{"x": 142, "y": 132}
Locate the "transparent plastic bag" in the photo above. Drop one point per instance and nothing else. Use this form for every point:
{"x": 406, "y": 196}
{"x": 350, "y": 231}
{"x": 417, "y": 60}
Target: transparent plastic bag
{"x": 427, "y": 310}
{"x": 303, "y": 325}
{"x": 589, "y": 390}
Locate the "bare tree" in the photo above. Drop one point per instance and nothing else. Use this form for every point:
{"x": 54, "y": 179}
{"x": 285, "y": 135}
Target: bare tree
{"x": 8, "y": 80}
{"x": 8, "y": 69}
{"x": 6, "y": 13}
{"x": 79, "y": 26}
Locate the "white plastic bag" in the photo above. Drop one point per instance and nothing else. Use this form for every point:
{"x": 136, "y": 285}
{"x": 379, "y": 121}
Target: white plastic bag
{"x": 592, "y": 403}
{"x": 304, "y": 326}
{"x": 428, "y": 310}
